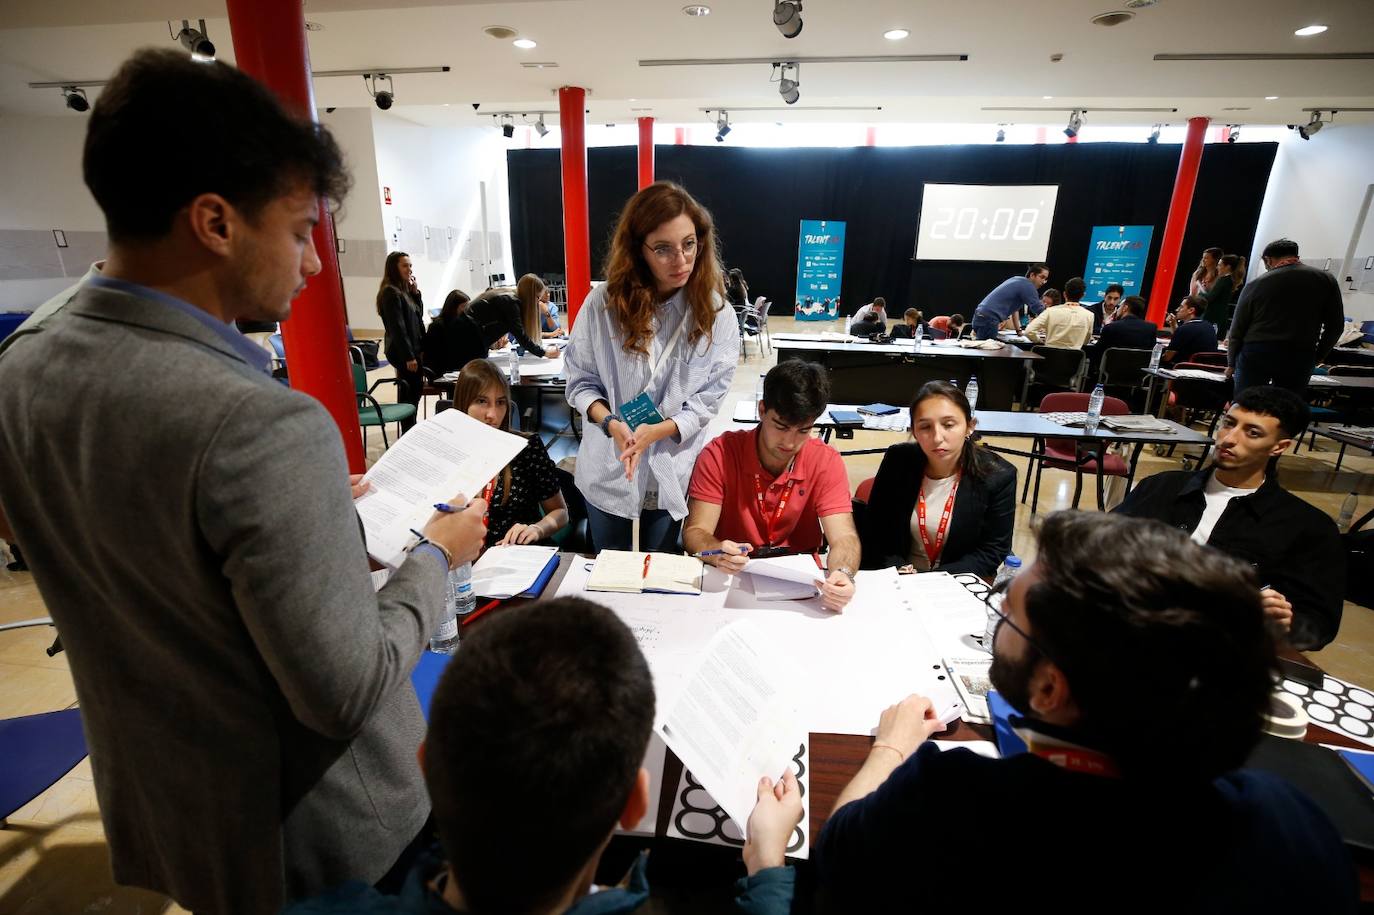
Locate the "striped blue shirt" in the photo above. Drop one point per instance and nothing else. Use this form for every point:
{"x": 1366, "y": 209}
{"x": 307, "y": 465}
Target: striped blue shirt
{"x": 689, "y": 389}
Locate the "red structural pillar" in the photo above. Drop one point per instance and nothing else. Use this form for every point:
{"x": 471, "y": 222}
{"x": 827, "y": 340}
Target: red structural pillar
{"x": 646, "y": 152}
{"x": 871, "y": 136}
{"x": 270, "y": 45}
{"x": 1179, "y": 205}
{"x": 577, "y": 252}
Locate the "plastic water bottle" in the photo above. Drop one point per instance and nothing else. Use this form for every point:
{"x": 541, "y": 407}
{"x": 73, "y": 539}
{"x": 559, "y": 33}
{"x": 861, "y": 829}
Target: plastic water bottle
{"x": 1009, "y": 569}
{"x": 1347, "y": 512}
{"x": 1094, "y": 409}
{"x": 1155, "y": 355}
{"x": 971, "y": 393}
{"x": 918, "y": 335}
{"x": 459, "y": 601}
{"x": 514, "y": 365}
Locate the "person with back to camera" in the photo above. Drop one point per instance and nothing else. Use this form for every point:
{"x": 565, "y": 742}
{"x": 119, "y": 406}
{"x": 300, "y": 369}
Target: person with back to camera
{"x": 498, "y": 313}
{"x": 658, "y": 342}
{"x": 438, "y": 348}
{"x": 1138, "y": 685}
{"x": 525, "y": 504}
{"x": 402, "y": 310}
{"x": 940, "y": 502}
{"x": 911, "y": 319}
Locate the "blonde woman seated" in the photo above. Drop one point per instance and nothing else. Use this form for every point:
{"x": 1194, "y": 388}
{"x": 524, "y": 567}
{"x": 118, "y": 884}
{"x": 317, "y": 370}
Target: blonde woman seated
{"x": 526, "y": 505}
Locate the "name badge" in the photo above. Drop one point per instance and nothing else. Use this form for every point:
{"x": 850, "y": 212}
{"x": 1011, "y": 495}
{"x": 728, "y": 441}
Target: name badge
{"x": 640, "y": 411}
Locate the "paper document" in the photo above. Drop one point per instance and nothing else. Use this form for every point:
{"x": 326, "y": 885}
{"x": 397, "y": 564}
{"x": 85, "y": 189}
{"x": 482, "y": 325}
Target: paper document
{"x": 784, "y": 577}
{"x": 733, "y": 722}
{"x": 505, "y": 571}
{"x": 440, "y": 457}
{"x": 630, "y": 572}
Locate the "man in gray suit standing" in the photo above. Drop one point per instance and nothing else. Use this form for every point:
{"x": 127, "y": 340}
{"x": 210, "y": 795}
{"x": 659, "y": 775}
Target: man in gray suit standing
{"x": 188, "y": 520}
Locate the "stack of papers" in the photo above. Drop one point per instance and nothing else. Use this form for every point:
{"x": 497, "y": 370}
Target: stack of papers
{"x": 784, "y": 577}
{"x": 441, "y": 457}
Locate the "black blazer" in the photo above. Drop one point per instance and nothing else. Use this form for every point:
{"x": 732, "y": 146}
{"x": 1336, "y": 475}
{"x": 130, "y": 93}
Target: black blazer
{"x": 1294, "y": 547}
{"x": 403, "y": 317}
{"x": 979, "y": 535}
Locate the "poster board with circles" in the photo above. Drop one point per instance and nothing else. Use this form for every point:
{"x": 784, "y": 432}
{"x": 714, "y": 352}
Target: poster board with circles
{"x": 1338, "y": 706}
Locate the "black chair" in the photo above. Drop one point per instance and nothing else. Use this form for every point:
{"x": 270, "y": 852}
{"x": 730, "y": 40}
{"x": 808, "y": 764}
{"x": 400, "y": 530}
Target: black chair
{"x": 577, "y": 537}
{"x": 1122, "y": 374}
{"x": 1059, "y": 369}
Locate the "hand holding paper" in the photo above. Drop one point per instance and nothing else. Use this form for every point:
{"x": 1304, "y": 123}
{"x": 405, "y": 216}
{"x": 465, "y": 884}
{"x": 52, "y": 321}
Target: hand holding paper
{"x": 776, "y": 813}
{"x": 906, "y": 725}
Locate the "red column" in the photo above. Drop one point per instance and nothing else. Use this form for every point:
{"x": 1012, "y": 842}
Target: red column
{"x": 577, "y": 252}
{"x": 270, "y": 45}
{"x": 871, "y": 137}
{"x": 680, "y": 136}
{"x": 1188, "y": 161}
{"x": 646, "y": 152}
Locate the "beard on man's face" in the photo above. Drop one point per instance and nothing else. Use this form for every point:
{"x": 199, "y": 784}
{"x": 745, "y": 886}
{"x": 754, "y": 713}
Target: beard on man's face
{"x": 1011, "y": 677}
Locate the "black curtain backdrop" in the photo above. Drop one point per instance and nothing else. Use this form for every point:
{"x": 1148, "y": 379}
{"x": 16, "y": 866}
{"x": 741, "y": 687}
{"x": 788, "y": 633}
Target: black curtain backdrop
{"x": 757, "y": 197}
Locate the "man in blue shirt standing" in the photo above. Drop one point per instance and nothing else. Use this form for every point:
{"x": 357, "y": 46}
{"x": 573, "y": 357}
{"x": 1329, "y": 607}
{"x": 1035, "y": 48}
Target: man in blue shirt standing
{"x": 1015, "y": 292}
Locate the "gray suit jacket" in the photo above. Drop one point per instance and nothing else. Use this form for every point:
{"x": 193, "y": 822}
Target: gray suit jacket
{"x": 245, "y": 692}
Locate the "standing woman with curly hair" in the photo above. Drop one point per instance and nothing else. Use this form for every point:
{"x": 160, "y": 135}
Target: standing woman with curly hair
{"x": 651, "y": 356}
{"x": 401, "y": 309}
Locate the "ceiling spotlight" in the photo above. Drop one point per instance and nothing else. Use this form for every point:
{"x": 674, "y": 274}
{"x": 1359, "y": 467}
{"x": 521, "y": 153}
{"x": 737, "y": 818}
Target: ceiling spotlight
{"x": 788, "y": 87}
{"x": 787, "y": 17}
{"x": 383, "y": 97}
{"x": 525, "y": 43}
{"x": 696, "y": 9}
{"x": 722, "y": 126}
{"x": 896, "y": 34}
{"x": 1232, "y": 133}
{"x": 539, "y": 127}
{"x": 1307, "y": 30}
{"x": 507, "y": 124}
{"x": 194, "y": 40}
{"x": 1311, "y": 127}
{"x": 1075, "y": 124}
{"x": 1154, "y": 134}
{"x": 1271, "y": 98}
{"x": 1001, "y": 135}
{"x": 76, "y": 98}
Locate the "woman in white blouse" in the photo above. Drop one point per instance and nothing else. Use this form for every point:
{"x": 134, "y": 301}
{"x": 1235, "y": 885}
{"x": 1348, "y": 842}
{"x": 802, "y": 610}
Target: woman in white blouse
{"x": 651, "y": 356}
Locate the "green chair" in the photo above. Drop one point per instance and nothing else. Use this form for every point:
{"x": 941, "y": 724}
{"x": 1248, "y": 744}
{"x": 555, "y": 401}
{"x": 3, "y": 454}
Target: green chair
{"x": 372, "y": 413}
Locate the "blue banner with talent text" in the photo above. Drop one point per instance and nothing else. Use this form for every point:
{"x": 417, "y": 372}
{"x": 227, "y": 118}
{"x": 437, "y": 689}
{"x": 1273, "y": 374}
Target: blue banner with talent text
{"x": 820, "y": 267}
{"x": 1116, "y": 254}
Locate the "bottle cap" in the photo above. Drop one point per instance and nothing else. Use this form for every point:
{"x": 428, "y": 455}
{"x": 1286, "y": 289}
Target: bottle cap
{"x": 1285, "y": 717}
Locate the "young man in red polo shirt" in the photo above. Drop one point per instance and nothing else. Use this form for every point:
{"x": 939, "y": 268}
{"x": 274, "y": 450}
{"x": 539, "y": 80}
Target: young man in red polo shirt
{"x": 775, "y": 486}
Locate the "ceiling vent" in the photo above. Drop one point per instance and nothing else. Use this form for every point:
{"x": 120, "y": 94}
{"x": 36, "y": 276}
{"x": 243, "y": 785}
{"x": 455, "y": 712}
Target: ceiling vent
{"x": 500, "y": 32}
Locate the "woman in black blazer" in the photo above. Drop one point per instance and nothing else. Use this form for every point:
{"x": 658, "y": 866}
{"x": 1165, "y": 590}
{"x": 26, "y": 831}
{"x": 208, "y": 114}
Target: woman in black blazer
{"x": 401, "y": 308}
{"x": 945, "y": 467}
{"x": 496, "y": 313}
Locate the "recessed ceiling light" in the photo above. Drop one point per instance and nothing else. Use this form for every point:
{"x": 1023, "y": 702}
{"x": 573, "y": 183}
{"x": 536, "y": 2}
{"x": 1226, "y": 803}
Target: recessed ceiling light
{"x": 313, "y": 26}
{"x": 696, "y": 10}
{"x": 500, "y": 32}
{"x": 634, "y": 99}
{"x": 895, "y": 34}
{"x": 1116, "y": 17}
{"x": 1310, "y": 30}
{"x": 525, "y": 43}
{"x": 1047, "y": 96}
{"x": 1271, "y": 98}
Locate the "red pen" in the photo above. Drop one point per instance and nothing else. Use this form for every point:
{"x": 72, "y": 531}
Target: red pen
{"x": 479, "y": 611}
{"x": 647, "y": 557}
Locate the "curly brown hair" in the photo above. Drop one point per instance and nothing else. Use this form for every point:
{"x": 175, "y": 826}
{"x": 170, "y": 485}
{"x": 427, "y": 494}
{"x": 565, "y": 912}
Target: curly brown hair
{"x": 631, "y": 292}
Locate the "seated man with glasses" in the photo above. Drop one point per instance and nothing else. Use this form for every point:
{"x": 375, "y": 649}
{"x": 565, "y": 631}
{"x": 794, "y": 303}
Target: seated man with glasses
{"x": 1141, "y": 686}
{"x": 777, "y": 488}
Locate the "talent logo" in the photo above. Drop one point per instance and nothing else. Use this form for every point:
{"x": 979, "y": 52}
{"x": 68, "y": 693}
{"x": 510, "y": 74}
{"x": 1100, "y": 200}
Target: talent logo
{"x": 822, "y": 239}
{"x": 1119, "y": 245}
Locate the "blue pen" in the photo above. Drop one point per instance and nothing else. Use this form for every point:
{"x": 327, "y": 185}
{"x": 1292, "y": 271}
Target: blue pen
{"x": 744, "y": 548}
{"x": 448, "y": 509}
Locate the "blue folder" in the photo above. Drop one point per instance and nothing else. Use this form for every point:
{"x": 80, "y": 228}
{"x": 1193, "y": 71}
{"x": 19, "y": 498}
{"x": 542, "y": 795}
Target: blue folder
{"x": 542, "y": 581}
{"x": 879, "y": 409}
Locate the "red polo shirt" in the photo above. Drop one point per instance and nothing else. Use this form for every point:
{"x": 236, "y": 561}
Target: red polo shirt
{"x": 725, "y": 473}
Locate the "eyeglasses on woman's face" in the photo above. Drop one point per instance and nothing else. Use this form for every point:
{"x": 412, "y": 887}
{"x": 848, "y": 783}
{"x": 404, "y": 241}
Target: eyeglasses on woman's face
{"x": 668, "y": 254}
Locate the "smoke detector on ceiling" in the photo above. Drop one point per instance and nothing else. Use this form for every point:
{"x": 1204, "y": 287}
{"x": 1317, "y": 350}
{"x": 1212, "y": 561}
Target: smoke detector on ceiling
{"x": 1113, "y": 18}
{"x": 1139, "y": 4}
{"x": 500, "y": 32}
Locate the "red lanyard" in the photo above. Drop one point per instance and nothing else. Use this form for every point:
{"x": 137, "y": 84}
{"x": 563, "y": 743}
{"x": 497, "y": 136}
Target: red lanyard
{"x": 933, "y": 552}
{"x": 487, "y": 493}
{"x": 770, "y": 523}
{"x": 1074, "y": 759}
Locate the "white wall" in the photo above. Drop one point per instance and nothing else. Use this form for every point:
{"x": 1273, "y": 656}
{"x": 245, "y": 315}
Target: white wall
{"x": 358, "y": 224}
{"x": 434, "y": 176}
{"x": 1314, "y": 195}
{"x": 42, "y": 190}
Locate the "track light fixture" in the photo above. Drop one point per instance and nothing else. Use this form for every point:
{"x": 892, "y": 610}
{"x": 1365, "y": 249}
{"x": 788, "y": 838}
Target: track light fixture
{"x": 195, "y": 40}
{"x": 1154, "y": 134}
{"x": 539, "y": 127}
{"x": 384, "y": 98}
{"x": 722, "y": 126}
{"x": 75, "y": 98}
{"x": 1311, "y": 127}
{"x": 1075, "y": 124}
{"x": 788, "y": 88}
{"x": 787, "y": 17}
{"x": 507, "y": 124}
{"x": 1232, "y": 133}
{"x": 1001, "y": 134}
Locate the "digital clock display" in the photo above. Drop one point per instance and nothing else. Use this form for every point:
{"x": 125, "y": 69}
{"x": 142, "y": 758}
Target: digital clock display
{"x": 982, "y": 222}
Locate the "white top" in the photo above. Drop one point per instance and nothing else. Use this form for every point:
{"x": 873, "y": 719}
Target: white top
{"x": 865, "y": 311}
{"x": 688, "y": 389}
{"x": 1218, "y": 496}
{"x": 936, "y": 492}
{"x": 1069, "y": 326}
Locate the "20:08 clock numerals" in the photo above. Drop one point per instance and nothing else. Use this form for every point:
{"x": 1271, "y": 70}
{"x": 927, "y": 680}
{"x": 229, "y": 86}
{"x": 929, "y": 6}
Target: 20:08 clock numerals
{"x": 1005, "y": 221}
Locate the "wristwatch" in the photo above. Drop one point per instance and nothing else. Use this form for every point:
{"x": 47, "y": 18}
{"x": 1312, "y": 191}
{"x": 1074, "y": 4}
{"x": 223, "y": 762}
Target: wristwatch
{"x": 606, "y": 423}
{"x": 847, "y": 573}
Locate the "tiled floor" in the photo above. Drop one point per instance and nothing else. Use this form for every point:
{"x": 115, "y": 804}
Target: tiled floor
{"x": 53, "y": 858}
